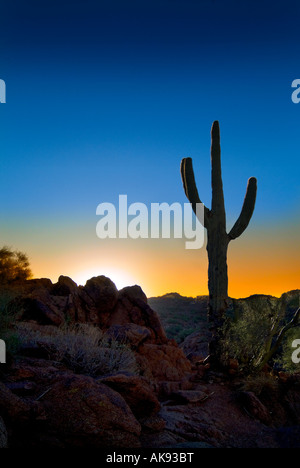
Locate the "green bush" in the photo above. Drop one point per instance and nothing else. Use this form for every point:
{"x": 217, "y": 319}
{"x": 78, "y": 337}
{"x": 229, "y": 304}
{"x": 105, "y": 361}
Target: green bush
{"x": 259, "y": 337}
{"x": 245, "y": 339}
{"x": 284, "y": 360}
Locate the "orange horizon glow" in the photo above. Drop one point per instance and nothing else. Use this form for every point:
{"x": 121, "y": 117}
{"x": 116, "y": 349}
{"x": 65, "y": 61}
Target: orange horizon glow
{"x": 257, "y": 264}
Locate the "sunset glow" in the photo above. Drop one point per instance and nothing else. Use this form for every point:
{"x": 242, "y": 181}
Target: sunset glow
{"x": 113, "y": 110}
{"x": 259, "y": 262}
{"x": 119, "y": 277}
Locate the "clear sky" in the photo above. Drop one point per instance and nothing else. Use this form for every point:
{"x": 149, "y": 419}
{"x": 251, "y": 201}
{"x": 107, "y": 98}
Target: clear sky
{"x": 106, "y": 98}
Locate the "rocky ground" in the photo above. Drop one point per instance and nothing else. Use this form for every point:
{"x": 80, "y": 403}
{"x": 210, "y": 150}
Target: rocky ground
{"x": 171, "y": 402}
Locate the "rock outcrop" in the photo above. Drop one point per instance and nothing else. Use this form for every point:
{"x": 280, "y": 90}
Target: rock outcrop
{"x": 124, "y": 315}
{"x": 169, "y": 402}
{"x": 98, "y": 302}
{"x": 195, "y": 346}
{"x": 136, "y": 391}
{"x": 85, "y": 413}
{"x": 80, "y": 410}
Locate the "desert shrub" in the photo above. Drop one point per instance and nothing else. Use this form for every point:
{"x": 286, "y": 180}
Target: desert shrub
{"x": 82, "y": 348}
{"x": 258, "y": 336}
{"x": 245, "y": 339}
{"x": 261, "y": 385}
{"x": 14, "y": 266}
{"x": 284, "y": 360}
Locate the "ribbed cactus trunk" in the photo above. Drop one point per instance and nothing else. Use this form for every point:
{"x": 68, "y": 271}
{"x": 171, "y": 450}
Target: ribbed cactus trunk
{"x": 217, "y": 246}
{"x": 217, "y": 237}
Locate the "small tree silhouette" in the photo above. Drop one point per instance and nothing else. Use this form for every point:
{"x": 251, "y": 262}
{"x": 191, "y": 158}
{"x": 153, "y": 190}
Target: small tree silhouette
{"x": 217, "y": 237}
{"x": 14, "y": 266}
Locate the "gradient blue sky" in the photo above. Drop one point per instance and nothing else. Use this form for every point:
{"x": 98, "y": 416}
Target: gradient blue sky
{"x": 106, "y": 97}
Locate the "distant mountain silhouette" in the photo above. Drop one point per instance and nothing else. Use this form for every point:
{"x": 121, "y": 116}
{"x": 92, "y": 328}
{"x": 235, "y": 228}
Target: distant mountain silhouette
{"x": 181, "y": 316}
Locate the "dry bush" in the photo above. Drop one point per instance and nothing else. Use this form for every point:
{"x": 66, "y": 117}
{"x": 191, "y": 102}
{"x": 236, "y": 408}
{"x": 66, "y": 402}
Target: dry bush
{"x": 82, "y": 348}
{"x": 14, "y": 266}
{"x": 245, "y": 339}
{"x": 261, "y": 384}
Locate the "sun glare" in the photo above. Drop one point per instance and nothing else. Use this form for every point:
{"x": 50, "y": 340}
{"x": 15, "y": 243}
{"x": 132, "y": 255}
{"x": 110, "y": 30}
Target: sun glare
{"x": 119, "y": 277}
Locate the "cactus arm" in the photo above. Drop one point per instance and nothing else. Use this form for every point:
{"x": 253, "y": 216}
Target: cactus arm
{"x": 190, "y": 188}
{"x": 247, "y": 210}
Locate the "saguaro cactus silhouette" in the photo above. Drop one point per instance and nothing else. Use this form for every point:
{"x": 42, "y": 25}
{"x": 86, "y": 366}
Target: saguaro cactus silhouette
{"x": 217, "y": 237}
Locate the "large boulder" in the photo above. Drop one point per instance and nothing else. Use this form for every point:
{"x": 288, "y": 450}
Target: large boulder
{"x": 85, "y": 413}
{"x": 195, "y": 346}
{"x": 65, "y": 302}
{"x": 255, "y": 407}
{"x": 20, "y": 416}
{"x": 103, "y": 292}
{"x": 133, "y": 293}
{"x": 40, "y": 308}
{"x": 165, "y": 362}
{"x": 64, "y": 287}
{"x": 132, "y": 307}
{"x": 137, "y": 393}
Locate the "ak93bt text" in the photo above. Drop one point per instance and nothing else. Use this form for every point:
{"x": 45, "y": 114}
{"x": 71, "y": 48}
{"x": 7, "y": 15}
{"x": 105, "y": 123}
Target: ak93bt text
{"x": 171, "y": 457}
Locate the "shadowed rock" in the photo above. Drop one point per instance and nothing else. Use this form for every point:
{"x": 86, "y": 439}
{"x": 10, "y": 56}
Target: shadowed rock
{"x": 103, "y": 292}
{"x": 130, "y": 333}
{"x": 85, "y": 413}
{"x": 137, "y": 393}
{"x": 64, "y": 286}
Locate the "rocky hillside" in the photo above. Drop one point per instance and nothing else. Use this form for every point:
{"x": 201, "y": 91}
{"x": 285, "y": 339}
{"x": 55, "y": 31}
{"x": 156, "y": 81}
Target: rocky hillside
{"x": 184, "y": 319}
{"x": 93, "y": 367}
{"x": 180, "y": 315}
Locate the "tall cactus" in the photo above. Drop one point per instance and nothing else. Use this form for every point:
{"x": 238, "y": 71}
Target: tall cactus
{"x": 217, "y": 237}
